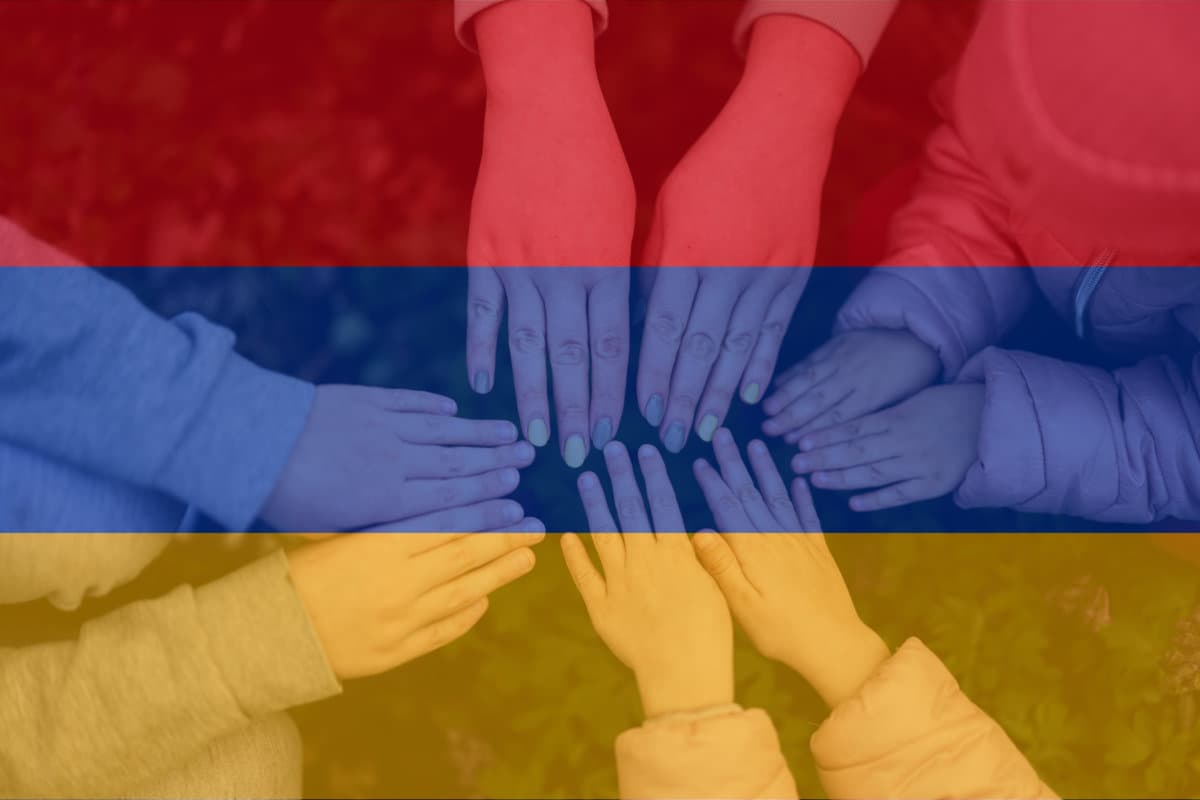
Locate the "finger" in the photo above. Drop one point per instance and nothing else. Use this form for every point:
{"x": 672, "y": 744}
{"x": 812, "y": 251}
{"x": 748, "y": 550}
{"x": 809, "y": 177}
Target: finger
{"x": 726, "y": 508}
{"x": 485, "y": 308}
{"x": 566, "y": 316}
{"x": 869, "y": 476}
{"x": 805, "y": 377}
{"x": 485, "y": 516}
{"x": 438, "y": 634}
{"x": 433, "y": 461}
{"x": 720, "y": 561}
{"x": 425, "y": 496}
{"x": 697, "y": 354}
{"x": 664, "y": 505}
{"x": 873, "y": 425}
{"x": 407, "y": 401}
{"x": 900, "y": 494}
{"x": 595, "y": 504}
{"x": 431, "y": 429}
{"x": 608, "y": 325}
{"x": 527, "y": 344}
{"x": 803, "y": 501}
{"x": 466, "y": 554}
{"x": 587, "y": 578}
{"x": 736, "y": 347}
{"x": 468, "y": 588}
{"x": 770, "y": 340}
{"x": 526, "y": 525}
{"x": 772, "y": 487}
{"x": 821, "y": 355}
{"x": 738, "y": 479}
{"x": 666, "y": 318}
{"x": 627, "y": 497}
{"x": 856, "y": 452}
{"x": 824, "y": 397}
{"x": 652, "y": 253}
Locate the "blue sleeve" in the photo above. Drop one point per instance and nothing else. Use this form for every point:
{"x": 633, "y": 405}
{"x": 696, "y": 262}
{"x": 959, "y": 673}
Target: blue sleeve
{"x": 91, "y": 377}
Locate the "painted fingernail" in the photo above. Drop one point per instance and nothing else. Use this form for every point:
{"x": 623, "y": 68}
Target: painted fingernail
{"x": 673, "y": 440}
{"x": 707, "y": 427}
{"x": 602, "y": 433}
{"x": 751, "y": 394}
{"x": 655, "y": 410}
{"x": 483, "y": 383}
{"x": 575, "y": 452}
{"x": 524, "y": 451}
{"x": 538, "y": 434}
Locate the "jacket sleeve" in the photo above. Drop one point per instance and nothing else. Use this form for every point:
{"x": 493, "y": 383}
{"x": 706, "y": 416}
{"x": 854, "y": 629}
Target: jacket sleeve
{"x": 91, "y": 377}
{"x": 1062, "y": 438}
{"x": 730, "y": 754}
{"x": 911, "y": 732}
{"x": 954, "y": 277}
{"x": 152, "y": 684}
{"x": 465, "y": 11}
{"x": 860, "y": 22}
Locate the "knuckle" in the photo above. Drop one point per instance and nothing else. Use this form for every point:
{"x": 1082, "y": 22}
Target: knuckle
{"x": 701, "y": 346}
{"x": 531, "y": 397}
{"x": 729, "y": 503}
{"x": 527, "y": 341}
{"x": 779, "y": 501}
{"x": 629, "y": 506}
{"x": 837, "y": 416}
{"x": 446, "y": 495}
{"x": 684, "y": 400}
{"x": 484, "y": 310}
{"x": 875, "y": 473}
{"x": 661, "y": 500}
{"x": 747, "y": 495}
{"x": 858, "y": 451}
{"x": 451, "y": 462}
{"x": 720, "y": 396}
{"x": 666, "y": 326}
{"x": 608, "y": 345}
{"x": 774, "y": 330}
{"x": 739, "y": 342}
{"x": 570, "y": 353}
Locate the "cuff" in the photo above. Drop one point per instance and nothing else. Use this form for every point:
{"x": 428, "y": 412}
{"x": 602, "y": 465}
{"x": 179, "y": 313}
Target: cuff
{"x": 465, "y": 11}
{"x": 262, "y": 639}
{"x": 859, "y": 22}
{"x": 230, "y": 459}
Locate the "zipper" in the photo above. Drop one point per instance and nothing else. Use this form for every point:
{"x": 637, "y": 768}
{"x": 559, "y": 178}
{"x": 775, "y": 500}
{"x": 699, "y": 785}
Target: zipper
{"x": 1092, "y": 276}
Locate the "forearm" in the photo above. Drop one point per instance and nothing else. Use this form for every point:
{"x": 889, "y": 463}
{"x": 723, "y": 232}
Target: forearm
{"x": 531, "y": 48}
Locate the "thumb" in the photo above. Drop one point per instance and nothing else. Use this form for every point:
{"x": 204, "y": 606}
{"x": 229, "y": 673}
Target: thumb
{"x": 718, "y": 558}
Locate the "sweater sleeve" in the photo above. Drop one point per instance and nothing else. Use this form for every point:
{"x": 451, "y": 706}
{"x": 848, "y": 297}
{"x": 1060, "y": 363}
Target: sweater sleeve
{"x": 860, "y": 22}
{"x": 730, "y": 754}
{"x": 1063, "y": 438}
{"x": 465, "y": 11}
{"x": 91, "y": 377}
{"x": 911, "y": 732}
{"x": 151, "y": 685}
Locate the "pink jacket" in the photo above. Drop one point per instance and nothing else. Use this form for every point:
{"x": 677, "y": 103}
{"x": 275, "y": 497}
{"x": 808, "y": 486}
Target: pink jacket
{"x": 910, "y": 732}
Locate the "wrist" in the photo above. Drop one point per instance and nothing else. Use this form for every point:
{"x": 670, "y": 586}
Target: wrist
{"x": 850, "y": 659}
{"x": 663, "y": 693}
{"x": 531, "y": 48}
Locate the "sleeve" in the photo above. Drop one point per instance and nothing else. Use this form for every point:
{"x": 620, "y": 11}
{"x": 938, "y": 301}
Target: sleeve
{"x": 911, "y": 732}
{"x": 465, "y": 11}
{"x": 730, "y": 753}
{"x": 1062, "y": 438}
{"x": 860, "y": 22}
{"x": 91, "y": 377}
{"x": 954, "y": 277}
{"x": 154, "y": 683}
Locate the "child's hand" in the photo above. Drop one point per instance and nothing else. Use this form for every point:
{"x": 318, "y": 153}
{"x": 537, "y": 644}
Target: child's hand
{"x": 778, "y": 575}
{"x": 853, "y": 374}
{"x": 580, "y": 317}
{"x": 654, "y": 605}
{"x": 918, "y": 450}
{"x": 709, "y": 329}
{"x": 369, "y": 456}
{"x": 379, "y": 600}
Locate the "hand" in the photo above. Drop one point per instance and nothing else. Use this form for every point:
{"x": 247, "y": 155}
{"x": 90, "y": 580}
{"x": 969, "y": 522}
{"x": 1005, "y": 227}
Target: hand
{"x": 855, "y": 373}
{"x": 583, "y": 312}
{"x": 777, "y": 573}
{"x": 654, "y": 606}
{"x": 369, "y": 456}
{"x": 379, "y": 600}
{"x": 707, "y": 330}
{"x": 918, "y": 450}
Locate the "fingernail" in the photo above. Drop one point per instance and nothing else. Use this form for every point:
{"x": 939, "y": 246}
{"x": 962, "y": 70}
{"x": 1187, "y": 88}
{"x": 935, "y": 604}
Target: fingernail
{"x": 708, "y": 426}
{"x": 654, "y": 410}
{"x": 506, "y": 432}
{"x": 673, "y": 440}
{"x": 751, "y": 394}
{"x": 575, "y": 452}
{"x": 482, "y": 382}
{"x": 449, "y": 406}
{"x": 587, "y": 480}
{"x": 602, "y": 433}
{"x": 510, "y": 477}
{"x": 538, "y": 434}
{"x": 513, "y": 513}
{"x": 525, "y": 451}
{"x": 799, "y": 464}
